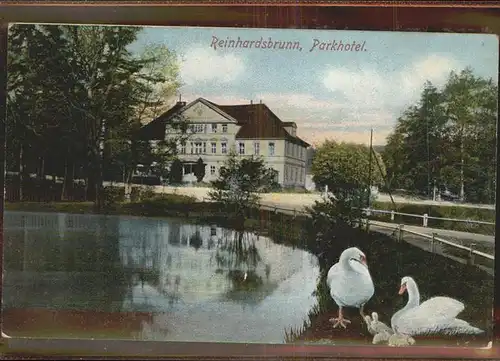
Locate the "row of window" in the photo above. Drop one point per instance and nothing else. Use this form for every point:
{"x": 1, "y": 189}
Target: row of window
{"x": 294, "y": 150}
{"x": 271, "y": 148}
{"x": 202, "y": 128}
{"x": 201, "y": 148}
{"x": 294, "y": 174}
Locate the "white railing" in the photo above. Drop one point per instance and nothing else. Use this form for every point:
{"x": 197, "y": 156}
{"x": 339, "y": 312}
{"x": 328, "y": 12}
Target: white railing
{"x": 433, "y": 239}
{"x": 425, "y": 217}
{"x": 400, "y": 228}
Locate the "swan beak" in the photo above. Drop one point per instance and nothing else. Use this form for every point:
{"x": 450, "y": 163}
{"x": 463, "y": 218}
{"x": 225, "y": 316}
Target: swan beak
{"x": 363, "y": 260}
{"x": 402, "y": 289}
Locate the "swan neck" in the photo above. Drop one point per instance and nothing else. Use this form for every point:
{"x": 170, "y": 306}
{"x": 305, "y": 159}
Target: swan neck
{"x": 413, "y": 294}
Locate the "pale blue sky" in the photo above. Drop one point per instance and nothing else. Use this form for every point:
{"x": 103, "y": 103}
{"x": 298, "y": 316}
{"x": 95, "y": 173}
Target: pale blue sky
{"x": 338, "y": 95}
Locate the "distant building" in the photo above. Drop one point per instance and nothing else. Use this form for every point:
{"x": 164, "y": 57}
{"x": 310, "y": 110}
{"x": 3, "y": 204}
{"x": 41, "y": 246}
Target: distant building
{"x": 249, "y": 129}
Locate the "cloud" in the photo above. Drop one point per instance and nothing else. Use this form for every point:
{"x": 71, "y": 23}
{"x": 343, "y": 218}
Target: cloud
{"x": 434, "y": 68}
{"x": 373, "y": 99}
{"x": 202, "y": 65}
{"x": 356, "y": 101}
{"x": 316, "y": 137}
{"x": 368, "y": 88}
{"x": 297, "y": 100}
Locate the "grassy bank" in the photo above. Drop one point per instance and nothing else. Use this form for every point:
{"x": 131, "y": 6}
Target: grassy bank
{"x": 388, "y": 259}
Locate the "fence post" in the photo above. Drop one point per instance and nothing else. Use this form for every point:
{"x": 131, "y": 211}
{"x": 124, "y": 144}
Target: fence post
{"x": 471, "y": 253}
{"x": 367, "y": 225}
{"x": 425, "y": 219}
{"x": 400, "y": 238}
{"x": 433, "y": 239}
{"x": 294, "y": 213}
{"x": 392, "y": 216}
{"x": 275, "y": 210}
{"x": 368, "y": 212}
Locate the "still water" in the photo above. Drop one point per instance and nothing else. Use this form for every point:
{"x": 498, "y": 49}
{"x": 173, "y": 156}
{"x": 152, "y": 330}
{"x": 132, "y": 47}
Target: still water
{"x": 196, "y": 283}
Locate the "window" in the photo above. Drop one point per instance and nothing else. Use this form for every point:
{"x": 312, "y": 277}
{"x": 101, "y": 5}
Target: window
{"x": 242, "y": 148}
{"x": 256, "y": 148}
{"x": 183, "y": 148}
{"x": 224, "y": 128}
{"x": 286, "y": 173}
{"x": 223, "y": 148}
{"x": 197, "y": 148}
{"x": 214, "y": 148}
{"x": 199, "y": 128}
{"x": 192, "y": 147}
{"x": 287, "y": 148}
{"x": 204, "y": 147}
{"x": 214, "y": 128}
{"x": 212, "y": 169}
{"x": 271, "y": 148}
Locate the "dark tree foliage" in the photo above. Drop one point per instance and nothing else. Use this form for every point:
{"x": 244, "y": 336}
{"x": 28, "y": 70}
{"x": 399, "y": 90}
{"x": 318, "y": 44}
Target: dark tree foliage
{"x": 199, "y": 170}
{"x": 76, "y": 97}
{"x": 175, "y": 174}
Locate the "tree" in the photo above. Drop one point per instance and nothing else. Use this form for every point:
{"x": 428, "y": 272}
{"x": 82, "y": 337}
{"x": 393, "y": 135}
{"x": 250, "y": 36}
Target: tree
{"x": 345, "y": 167}
{"x": 35, "y": 121}
{"x": 175, "y": 174}
{"x": 199, "y": 169}
{"x": 470, "y": 103}
{"x": 158, "y": 82}
{"x": 160, "y": 77}
{"x": 447, "y": 139}
{"x": 239, "y": 183}
{"x": 413, "y": 150}
{"x": 88, "y": 75}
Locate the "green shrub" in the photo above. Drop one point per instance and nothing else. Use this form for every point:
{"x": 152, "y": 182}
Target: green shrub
{"x": 135, "y": 194}
{"x": 113, "y": 195}
{"x": 138, "y": 194}
{"x": 148, "y": 192}
{"x": 174, "y": 199}
{"x": 164, "y": 205}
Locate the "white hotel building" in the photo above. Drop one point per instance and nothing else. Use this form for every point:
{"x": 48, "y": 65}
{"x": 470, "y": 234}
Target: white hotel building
{"x": 250, "y": 129}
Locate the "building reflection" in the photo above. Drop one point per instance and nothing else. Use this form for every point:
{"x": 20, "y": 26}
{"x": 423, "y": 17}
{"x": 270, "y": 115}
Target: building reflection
{"x": 129, "y": 263}
{"x": 201, "y": 263}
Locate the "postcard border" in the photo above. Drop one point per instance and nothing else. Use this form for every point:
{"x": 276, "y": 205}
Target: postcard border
{"x": 86, "y": 13}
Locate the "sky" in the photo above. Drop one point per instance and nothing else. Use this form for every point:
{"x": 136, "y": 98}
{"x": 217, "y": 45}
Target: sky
{"x": 337, "y": 95}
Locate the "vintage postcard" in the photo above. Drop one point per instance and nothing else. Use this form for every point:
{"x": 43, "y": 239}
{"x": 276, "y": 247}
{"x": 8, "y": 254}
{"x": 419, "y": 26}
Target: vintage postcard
{"x": 250, "y": 185}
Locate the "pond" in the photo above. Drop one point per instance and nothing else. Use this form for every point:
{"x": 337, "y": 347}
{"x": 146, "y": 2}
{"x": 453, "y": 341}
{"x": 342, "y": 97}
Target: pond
{"x": 152, "y": 279}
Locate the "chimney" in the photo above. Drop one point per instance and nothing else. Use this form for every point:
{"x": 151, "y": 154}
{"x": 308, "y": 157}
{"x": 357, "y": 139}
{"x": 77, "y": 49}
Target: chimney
{"x": 180, "y": 102}
{"x": 261, "y": 101}
{"x": 251, "y": 101}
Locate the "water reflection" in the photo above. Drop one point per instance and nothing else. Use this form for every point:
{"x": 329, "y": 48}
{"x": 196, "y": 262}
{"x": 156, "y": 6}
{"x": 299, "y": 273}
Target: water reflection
{"x": 200, "y": 283}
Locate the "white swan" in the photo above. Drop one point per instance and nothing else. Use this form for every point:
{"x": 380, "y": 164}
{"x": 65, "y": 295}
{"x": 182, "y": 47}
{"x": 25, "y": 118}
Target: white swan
{"x": 436, "y": 315}
{"x": 350, "y": 283}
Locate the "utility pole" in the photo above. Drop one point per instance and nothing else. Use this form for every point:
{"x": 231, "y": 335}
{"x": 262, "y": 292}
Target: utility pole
{"x": 370, "y": 168}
